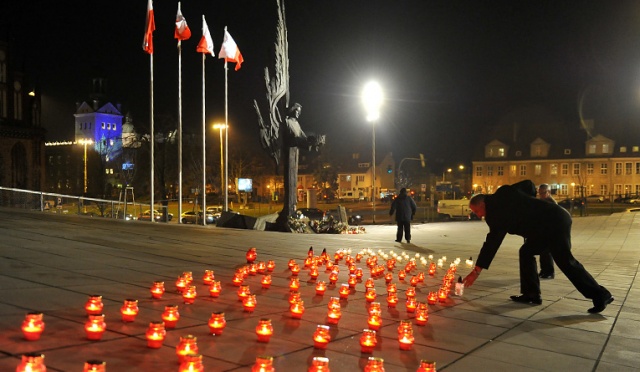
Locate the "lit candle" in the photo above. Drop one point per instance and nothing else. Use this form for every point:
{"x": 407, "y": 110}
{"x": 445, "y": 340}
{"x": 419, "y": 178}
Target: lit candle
{"x": 459, "y": 289}
{"x": 295, "y": 270}
{"x": 422, "y": 314}
{"x": 369, "y": 283}
{"x": 334, "y": 314}
{"x": 406, "y": 340}
{"x": 129, "y": 310}
{"x": 427, "y": 366}
{"x": 414, "y": 281}
{"x": 321, "y": 337}
{"x": 266, "y": 281}
{"x": 421, "y": 277}
{"x": 170, "y": 316}
{"x": 352, "y": 280}
{"x": 187, "y": 345}
{"x": 217, "y": 322}
{"x": 95, "y": 327}
{"x": 237, "y": 280}
{"x": 294, "y": 297}
{"x": 271, "y": 265}
{"x": 321, "y": 287}
{"x": 249, "y": 303}
{"x": 294, "y": 284}
{"x": 181, "y": 284}
{"x": 392, "y": 288}
{"x": 368, "y": 341}
{"x": 358, "y": 257}
{"x": 215, "y": 288}
{"x": 313, "y": 272}
{"x": 411, "y": 305}
{"x": 297, "y": 309}
{"x": 375, "y": 308}
{"x": 359, "y": 273}
{"x": 388, "y": 278}
{"x": 262, "y": 267}
{"x": 374, "y": 365}
{"x": 157, "y": 289}
{"x": 319, "y": 364}
{"x": 370, "y": 295}
{"x": 253, "y": 269}
{"x": 251, "y": 255}
{"x": 243, "y": 292}
{"x": 32, "y": 326}
{"x": 188, "y": 277}
{"x": 391, "y": 263}
{"x": 402, "y": 274}
{"x": 95, "y": 366}
{"x": 155, "y": 335}
{"x": 392, "y": 299}
{"x": 374, "y": 321}
{"x": 329, "y": 266}
{"x": 432, "y": 298}
{"x": 333, "y": 277}
{"x": 410, "y": 292}
{"x": 192, "y": 363}
{"x": 308, "y": 261}
{"x": 344, "y": 291}
{"x": 208, "y": 277}
{"x": 432, "y": 269}
{"x": 291, "y": 263}
{"x": 442, "y": 295}
{"x": 310, "y": 252}
{"x": 264, "y": 330}
{"x": 189, "y": 294}
{"x": 440, "y": 263}
{"x": 32, "y": 362}
{"x": 94, "y": 305}
{"x": 263, "y": 364}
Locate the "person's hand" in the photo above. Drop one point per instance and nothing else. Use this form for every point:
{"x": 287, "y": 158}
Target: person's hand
{"x": 471, "y": 278}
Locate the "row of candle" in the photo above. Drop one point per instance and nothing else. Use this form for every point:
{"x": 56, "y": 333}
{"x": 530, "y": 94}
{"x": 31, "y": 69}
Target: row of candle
{"x": 34, "y": 362}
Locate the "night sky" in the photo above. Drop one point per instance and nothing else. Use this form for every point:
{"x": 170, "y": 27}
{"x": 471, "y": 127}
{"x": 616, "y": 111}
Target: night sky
{"x": 448, "y": 69}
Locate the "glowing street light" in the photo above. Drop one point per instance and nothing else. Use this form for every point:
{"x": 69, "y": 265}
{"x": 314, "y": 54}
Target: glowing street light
{"x": 372, "y": 99}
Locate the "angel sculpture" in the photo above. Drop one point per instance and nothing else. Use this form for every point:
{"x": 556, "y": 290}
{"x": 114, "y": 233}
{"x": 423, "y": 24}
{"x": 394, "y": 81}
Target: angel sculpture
{"x": 282, "y": 136}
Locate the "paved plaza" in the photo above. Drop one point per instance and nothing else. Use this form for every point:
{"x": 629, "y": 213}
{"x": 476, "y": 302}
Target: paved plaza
{"x": 51, "y": 263}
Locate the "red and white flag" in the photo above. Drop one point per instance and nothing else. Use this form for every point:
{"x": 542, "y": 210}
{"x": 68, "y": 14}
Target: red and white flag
{"x": 182, "y": 29}
{"x": 206, "y": 42}
{"x": 147, "y": 44}
{"x": 230, "y": 51}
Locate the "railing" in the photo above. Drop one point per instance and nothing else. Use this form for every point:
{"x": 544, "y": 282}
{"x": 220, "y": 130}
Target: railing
{"x": 59, "y": 203}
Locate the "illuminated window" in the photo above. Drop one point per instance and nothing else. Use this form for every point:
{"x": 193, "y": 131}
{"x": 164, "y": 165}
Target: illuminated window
{"x": 627, "y": 168}
{"x": 576, "y": 169}
{"x": 489, "y": 170}
{"x": 605, "y": 148}
{"x": 103, "y": 125}
{"x": 512, "y": 170}
{"x": 523, "y": 170}
{"x": 479, "y": 170}
{"x": 604, "y": 190}
{"x": 623, "y": 148}
{"x": 592, "y": 149}
{"x": 538, "y": 169}
{"x": 501, "y": 152}
{"x": 603, "y": 168}
{"x": 618, "y": 170}
{"x": 590, "y": 168}
{"x": 553, "y": 169}
{"x": 564, "y": 169}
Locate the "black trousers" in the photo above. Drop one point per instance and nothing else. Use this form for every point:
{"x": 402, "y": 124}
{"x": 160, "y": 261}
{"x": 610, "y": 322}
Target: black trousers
{"x": 406, "y": 227}
{"x": 546, "y": 263}
{"x": 558, "y": 243}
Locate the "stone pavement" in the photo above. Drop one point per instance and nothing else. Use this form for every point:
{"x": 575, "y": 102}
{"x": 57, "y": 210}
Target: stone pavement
{"x": 52, "y": 263}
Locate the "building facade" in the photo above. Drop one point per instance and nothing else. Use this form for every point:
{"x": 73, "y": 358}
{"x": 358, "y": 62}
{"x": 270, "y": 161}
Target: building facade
{"x": 21, "y": 134}
{"x": 355, "y": 178}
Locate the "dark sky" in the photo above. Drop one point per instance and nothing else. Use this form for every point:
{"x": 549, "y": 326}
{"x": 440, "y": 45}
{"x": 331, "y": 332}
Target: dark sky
{"x": 448, "y": 68}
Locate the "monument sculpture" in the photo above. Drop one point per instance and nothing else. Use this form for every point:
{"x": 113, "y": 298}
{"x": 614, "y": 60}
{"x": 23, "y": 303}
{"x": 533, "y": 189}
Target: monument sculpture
{"x": 281, "y": 135}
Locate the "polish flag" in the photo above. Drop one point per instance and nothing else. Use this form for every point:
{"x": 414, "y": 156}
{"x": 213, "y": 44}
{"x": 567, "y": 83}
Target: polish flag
{"x": 182, "y": 29}
{"x": 230, "y": 51}
{"x": 147, "y": 44}
{"x": 206, "y": 42}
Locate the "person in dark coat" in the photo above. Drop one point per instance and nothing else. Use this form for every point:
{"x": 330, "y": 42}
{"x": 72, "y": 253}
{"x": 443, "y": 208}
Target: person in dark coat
{"x": 544, "y": 225}
{"x": 405, "y": 209}
{"x": 547, "y": 270}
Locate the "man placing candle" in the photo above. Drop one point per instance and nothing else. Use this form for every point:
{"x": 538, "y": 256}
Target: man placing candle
{"x": 543, "y": 225}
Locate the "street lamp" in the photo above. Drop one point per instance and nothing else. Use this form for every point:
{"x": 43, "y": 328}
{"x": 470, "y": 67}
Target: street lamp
{"x": 85, "y": 142}
{"x": 372, "y": 100}
{"x": 221, "y": 127}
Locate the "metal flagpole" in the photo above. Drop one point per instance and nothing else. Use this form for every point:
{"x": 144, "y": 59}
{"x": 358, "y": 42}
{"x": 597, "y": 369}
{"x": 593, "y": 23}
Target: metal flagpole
{"x": 226, "y": 136}
{"x": 204, "y": 149}
{"x": 180, "y": 129}
{"x": 152, "y": 146}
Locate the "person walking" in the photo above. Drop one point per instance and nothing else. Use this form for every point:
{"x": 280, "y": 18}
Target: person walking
{"x": 544, "y": 226}
{"x": 547, "y": 270}
{"x": 405, "y": 208}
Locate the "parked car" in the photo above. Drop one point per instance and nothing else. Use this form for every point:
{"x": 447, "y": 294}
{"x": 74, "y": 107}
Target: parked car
{"x": 157, "y": 215}
{"x": 311, "y": 213}
{"x": 595, "y": 198}
{"x": 354, "y": 219}
{"x": 568, "y": 203}
{"x": 634, "y": 200}
{"x": 193, "y": 217}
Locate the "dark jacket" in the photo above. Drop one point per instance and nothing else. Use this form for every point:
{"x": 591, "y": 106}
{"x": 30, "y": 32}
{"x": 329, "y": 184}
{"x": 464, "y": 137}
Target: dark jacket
{"x": 405, "y": 208}
{"x": 512, "y": 211}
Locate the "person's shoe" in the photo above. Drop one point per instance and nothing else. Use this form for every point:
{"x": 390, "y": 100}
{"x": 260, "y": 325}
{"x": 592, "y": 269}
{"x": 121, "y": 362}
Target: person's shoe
{"x": 544, "y": 275}
{"x": 408, "y": 241}
{"x": 600, "y": 304}
{"x": 398, "y": 241}
{"x": 524, "y": 299}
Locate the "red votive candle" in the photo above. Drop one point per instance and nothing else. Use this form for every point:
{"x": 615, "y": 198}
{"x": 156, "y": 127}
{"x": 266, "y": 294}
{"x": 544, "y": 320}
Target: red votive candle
{"x": 157, "y": 289}
{"x": 32, "y": 326}
{"x": 217, "y": 322}
{"x": 215, "y": 288}
{"x": 170, "y": 316}
{"x": 129, "y": 310}
{"x": 264, "y": 330}
{"x": 94, "y": 305}
{"x": 95, "y": 327}
{"x": 187, "y": 345}
{"x": 368, "y": 341}
{"x": 155, "y": 335}
{"x": 321, "y": 337}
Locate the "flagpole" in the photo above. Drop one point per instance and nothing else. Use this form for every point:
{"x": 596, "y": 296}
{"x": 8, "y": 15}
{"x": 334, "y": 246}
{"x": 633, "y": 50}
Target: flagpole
{"x": 226, "y": 137}
{"x": 204, "y": 149}
{"x": 152, "y": 145}
{"x": 180, "y": 129}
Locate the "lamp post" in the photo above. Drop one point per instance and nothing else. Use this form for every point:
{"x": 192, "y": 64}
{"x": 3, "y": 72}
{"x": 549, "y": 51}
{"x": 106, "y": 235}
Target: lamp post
{"x": 221, "y": 127}
{"x": 85, "y": 142}
{"x": 372, "y": 100}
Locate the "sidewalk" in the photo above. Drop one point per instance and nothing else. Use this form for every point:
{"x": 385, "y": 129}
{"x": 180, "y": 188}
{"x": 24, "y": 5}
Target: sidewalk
{"x": 52, "y": 263}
